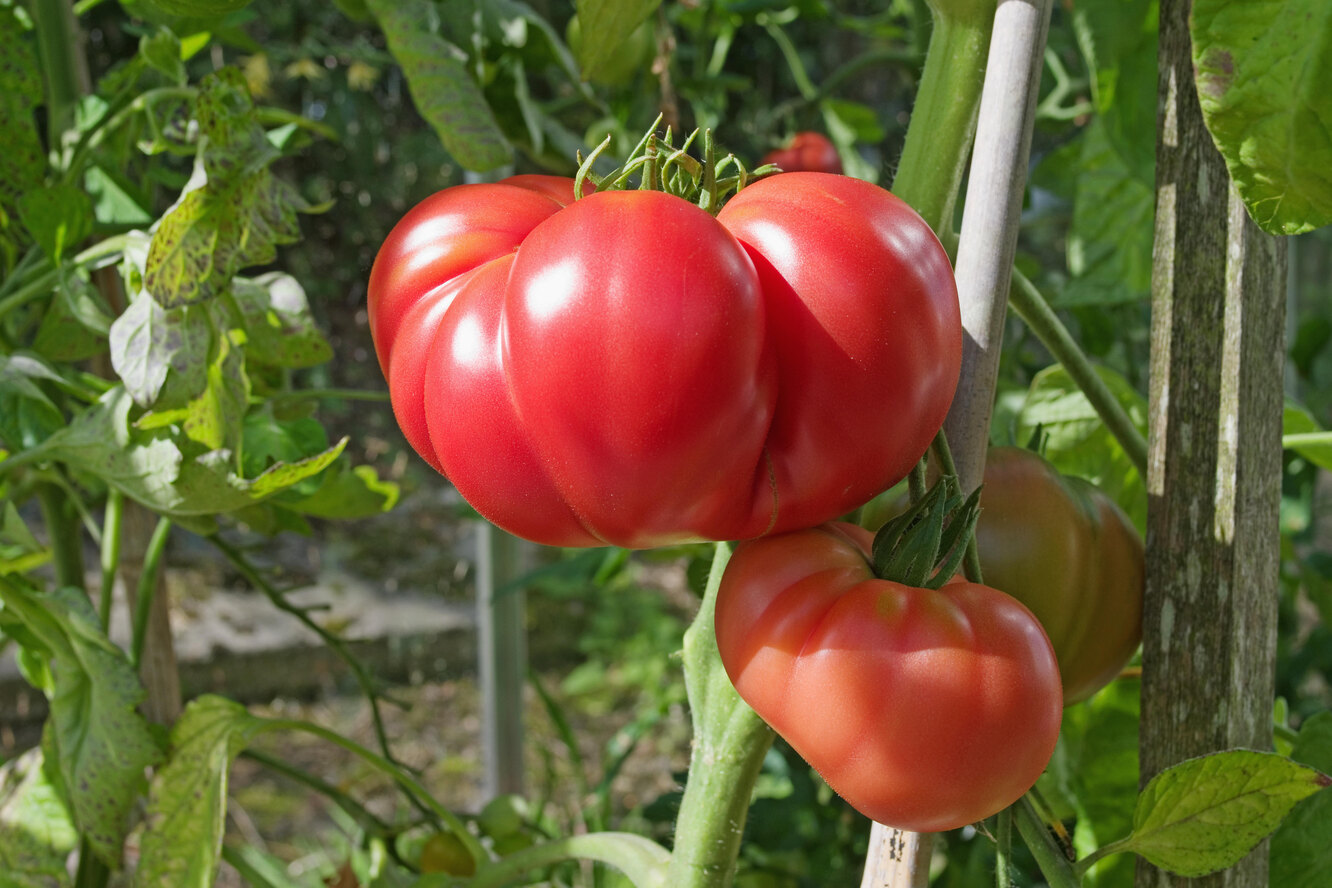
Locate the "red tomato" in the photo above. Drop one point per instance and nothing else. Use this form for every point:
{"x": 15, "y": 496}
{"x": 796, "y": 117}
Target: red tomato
{"x": 1064, "y": 549}
{"x": 626, "y": 369}
{"x": 926, "y": 710}
{"x": 811, "y": 152}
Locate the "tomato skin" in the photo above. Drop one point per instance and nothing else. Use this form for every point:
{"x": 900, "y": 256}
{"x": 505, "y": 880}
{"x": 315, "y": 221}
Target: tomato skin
{"x": 1070, "y": 554}
{"x": 626, "y": 369}
{"x": 806, "y": 152}
{"x": 925, "y": 710}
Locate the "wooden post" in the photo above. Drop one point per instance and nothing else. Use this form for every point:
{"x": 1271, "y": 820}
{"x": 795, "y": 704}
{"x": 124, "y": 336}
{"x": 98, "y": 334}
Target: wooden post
{"x": 899, "y": 859}
{"x": 1214, "y": 472}
{"x": 502, "y": 651}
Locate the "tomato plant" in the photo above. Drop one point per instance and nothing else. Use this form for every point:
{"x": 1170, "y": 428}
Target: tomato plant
{"x": 924, "y": 709}
{"x": 1065, "y": 550}
{"x": 627, "y": 369}
{"x": 630, "y": 57}
{"x": 809, "y": 151}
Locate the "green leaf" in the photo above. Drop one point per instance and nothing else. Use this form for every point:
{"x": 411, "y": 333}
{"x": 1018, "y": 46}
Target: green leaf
{"x": 1205, "y": 814}
{"x": 199, "y": 8}
{"x": 27, "y": 416}
{"x": 214, "y": 418}
{"x": 161, "y": 52}
{"x": 1110, "y": 242}
{"x": 1118, "y": 40}
{"x": 234, "y": 211}
{"x": 1105, "y": 777}
{"x": 150, "y": 342}
{"x": 606, "y": 26}
{"x": 187, "y": 807}
{"x": 76, "y": 323}
{"x": 269, "y": 440}
{"x": 19, "y": 550}
{"x": 36, "y": 831}
{"x": 347, "y": 492}
{"x": 1077, "y": 441}
{"x": 58, "y": 217}
{"x": 22, "y": 160}
{"x": 442, "y": 88}
{"x": 102, "y": 744}
{"x": 1302, "y": 846}
{"x": 276, "y": 316}
{"x": 1301, "y": 433}
{"x": 114, "y": 199}
{"x": 1264, "y": 74}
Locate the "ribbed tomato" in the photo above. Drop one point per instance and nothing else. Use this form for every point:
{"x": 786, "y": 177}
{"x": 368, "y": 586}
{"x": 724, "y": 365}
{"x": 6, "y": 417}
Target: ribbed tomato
{"x": 627, "y": 369}
{"x": 926, "y": 710}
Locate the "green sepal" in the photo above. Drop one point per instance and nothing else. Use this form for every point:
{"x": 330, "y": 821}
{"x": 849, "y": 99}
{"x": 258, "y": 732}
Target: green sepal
{"x": 925, "y": 545}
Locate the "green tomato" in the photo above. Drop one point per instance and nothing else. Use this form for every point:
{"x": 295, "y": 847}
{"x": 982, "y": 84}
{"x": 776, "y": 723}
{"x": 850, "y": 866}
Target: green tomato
{"x": 444, "y": 852}
{"x": 625, "y": 62}
{"x": 502, "y": 816}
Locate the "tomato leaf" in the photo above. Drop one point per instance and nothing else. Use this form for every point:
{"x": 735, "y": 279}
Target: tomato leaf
{"x": 150, "y": 342}
{"x": 1104, "y": 777}
{"x": 27, "y": 416}
{"x": 101, "y": 744}
{"x": 187, "y": 806}
{"x": 1301, "y": 433}
{"x": 606, "y": 26}
{"x": 214, "y": 418}
{"x": 1205, "y": 814}
{"x": 199, "y": 8}
{"x": 22, "y": 160}
{"x": 279, "y": 329}
{"x": 1118, "y": 39}
{"x": 76, "y": 323}
{"x": 19, "y": 550}
{"x": 1302, "y": 845}
{"x": 36, "y": 831}
{"x": 1110, "y": 243}
{"x": 1263, "y": 73}
{"x": 347, "y": 492}
{"x": 58, "y": 217}
{"x": 443, "y": 90}
{"x": 233, "y": 212}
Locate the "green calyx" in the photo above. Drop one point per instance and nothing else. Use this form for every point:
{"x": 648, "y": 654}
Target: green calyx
{"x": 658, "y": 165}
{"x": 925, "y": 545}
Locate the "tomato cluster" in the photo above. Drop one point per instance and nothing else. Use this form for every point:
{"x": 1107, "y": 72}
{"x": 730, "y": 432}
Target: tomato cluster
{"x": 627, "y": 369}
{"x": 808, "y": 152}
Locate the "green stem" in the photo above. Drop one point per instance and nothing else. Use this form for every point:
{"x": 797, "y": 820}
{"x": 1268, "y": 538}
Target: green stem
{"x": 971, "y": 565}
{"x": 1003, "y": 836}
{"x": 92, "y": 873}
{"x": 334, "y": 643}
{"x": 1036, "y": 313}
{"x": 358, "y": 812}
{"x": 943, "y": 119}
{"x": 1117, "y": 847}
{"x": 916, "y": 482}
{"x": 408, "y": 783}
{"x": 147, "y": 590}
{"x": 730, "y": 742}
{"x": 115, "y": 511}
{"x": 1054, "y": 866}
{"x": 807, "y": 89}
{"x": 62, "y": 526}
{"x": 57, "y": 38}
{"x": 642, "y": 860}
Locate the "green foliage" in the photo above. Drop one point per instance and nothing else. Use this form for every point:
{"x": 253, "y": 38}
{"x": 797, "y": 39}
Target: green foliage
{"x": 1263, "y": 74}
{"x": 1302, "y": 846}
{"x": 96, "y": 741}
{"x": 606, "y": 27}
{"x": 1205, "y": 814}
{"x": 445, "y": 93}
{"x": 187, "y": 809}
{"x": 36, "y": 830}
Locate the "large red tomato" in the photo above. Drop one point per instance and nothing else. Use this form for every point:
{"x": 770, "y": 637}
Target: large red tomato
{"x": 926, "y": 710}
{"x": 806, "y": 151}
{"x": 626, "y": 369}
{"x": 1064, "y": 549}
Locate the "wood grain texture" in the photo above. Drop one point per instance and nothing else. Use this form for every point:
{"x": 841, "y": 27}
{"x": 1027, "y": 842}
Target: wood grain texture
{"x": 1214, "y": 474}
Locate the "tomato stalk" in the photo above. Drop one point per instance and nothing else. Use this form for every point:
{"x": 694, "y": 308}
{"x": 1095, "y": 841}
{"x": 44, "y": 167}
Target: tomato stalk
{"x": 730, "y": 742}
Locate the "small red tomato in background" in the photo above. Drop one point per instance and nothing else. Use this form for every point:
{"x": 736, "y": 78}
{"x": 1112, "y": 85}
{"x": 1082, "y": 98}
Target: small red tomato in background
{"x": 626, "y": 369}
{"x": 926, "y": 710}
{"x": 1070, "y": 554}
{"x": 807, "y": 151}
